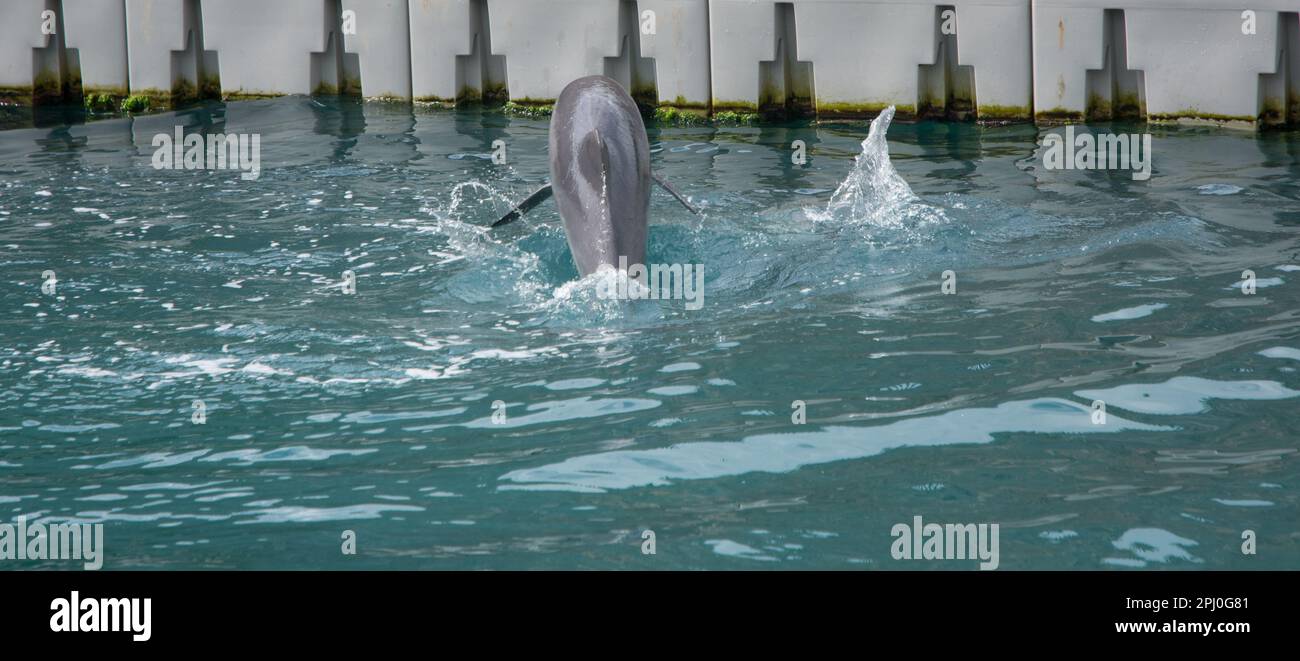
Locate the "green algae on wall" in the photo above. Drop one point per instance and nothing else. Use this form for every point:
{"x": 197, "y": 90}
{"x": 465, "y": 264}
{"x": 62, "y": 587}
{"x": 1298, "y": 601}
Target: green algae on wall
{"x": 210, "y": 87}
{"x": 103, "y": 99}
{"x": 16, "y": 96}
{"x": 149, "y": 99}
{"x": 645, "y": 95}
{"x": 386, "y": 99}
{"x": 531, "y": 108}
{"x": 678, "y": 116}
{"x": 747, "y": 113}
{"x": 1192, "y": 113}
{"x": 349, "y": 87}
{"x": 1273, "y": 113}
{"x": 183, "y": 91}
{"x": 736, "y": 118}
{"x": 47, "y": 88}
{"x": 465, "y": 95}
{"x": 145, "y": 100}
{"x": 434, "y": 102}
{"x": 245, "y": 95}
{"x": 1124, "y": 106}
{"x": 863, "y": 110}
{"x": 930, "y": 109}
{"x": 1058, "y": 115}
{"x": 494, "y": 94}
{"x": 1194, "y": 116}
{"x": 99, "y": 102}
{"x": 736, "y": 112}
{"x": 993, "y": 112}
{"x": 138, "y": 103}
{"x": 735, "y": 106}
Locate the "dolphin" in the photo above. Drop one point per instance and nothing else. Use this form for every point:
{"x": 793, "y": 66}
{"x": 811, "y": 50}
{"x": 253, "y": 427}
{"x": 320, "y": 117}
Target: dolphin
{"x": 600, "y": 175}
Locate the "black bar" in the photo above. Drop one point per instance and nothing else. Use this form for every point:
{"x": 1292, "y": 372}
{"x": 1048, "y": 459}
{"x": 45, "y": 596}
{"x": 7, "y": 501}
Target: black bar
{"x": 231, "y": 611}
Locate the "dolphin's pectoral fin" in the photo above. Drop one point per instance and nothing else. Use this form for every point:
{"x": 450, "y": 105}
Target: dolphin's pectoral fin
{"x": 522, "y": 208}
{"x": 668, "y": 187}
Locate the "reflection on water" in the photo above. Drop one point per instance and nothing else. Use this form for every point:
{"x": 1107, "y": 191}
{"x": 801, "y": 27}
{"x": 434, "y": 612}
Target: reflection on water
{"x": 785, "y": 452}
{"x": 474, "y": 404}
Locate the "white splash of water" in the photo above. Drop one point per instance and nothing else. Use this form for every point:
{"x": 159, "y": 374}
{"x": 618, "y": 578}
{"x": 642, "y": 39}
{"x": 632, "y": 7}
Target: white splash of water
{"x": 873, "y": 183}
{"x": 583, "y": 299}
{"x": 873, "y": 194}
{"x": 501, "y": 269}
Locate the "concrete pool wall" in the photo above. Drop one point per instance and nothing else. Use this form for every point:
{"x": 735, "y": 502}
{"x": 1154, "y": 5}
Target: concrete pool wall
{"x": 1044, "y": 60}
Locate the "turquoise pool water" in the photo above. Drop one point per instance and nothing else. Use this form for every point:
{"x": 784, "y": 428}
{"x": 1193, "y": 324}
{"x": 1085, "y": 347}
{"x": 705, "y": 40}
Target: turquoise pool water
{"x": 373, "y": 412}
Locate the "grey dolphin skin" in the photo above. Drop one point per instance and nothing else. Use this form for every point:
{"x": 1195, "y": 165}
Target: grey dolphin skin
{"x": 600, "y": 174}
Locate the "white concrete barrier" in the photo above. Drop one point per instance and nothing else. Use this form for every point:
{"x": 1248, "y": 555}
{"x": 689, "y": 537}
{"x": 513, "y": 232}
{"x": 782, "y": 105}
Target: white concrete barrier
{"x": 379, "y": 33}
{"x": 1280, "y": 91}
{"x": 163, "y": 39}
{"x": 275, "y": 48}
{"x": 1199, "y": 64}
{"x": 444, "y": 33}
{"x": 679, "y": 48}
{"x": 865, "y": 55}
{"x": 742, "y": 34}
{"x": 467, "y": 49}
{"x": 995, "y": 41}
{"x": 1068, "y": 42}
{"x": 549, "y": 44}
{"x": 1166, "y": 59}
{"x": 29, "y": 65}
{"x": 869, "y": 54}
{"x": 634, "y": 71}
{"x": 1056, "y": 60}
{"x": 97, "y": 30}
{"x": 451, "y": 53}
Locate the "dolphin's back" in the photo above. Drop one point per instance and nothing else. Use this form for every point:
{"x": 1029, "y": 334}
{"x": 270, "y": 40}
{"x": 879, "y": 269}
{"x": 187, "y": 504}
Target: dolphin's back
{"x": 600, "y": 172}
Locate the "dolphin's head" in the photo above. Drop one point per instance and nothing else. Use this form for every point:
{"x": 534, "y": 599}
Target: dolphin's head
{"x": 600, "y": 173}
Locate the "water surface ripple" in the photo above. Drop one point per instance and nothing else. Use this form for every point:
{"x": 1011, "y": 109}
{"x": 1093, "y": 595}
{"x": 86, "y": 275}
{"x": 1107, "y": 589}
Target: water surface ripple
{"x": 374, "y": 412}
